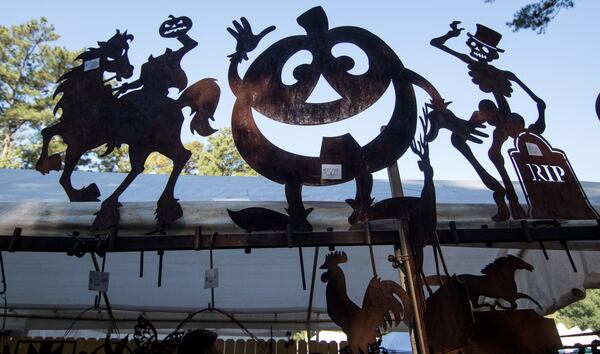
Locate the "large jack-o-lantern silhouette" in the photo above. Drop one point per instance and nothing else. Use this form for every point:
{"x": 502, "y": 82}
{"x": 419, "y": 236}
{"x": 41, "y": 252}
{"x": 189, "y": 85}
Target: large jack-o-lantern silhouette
{"x": 263, "y": 90}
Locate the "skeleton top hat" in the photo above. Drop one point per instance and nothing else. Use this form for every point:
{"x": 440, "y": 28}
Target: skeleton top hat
{"x": 487, "y": 37}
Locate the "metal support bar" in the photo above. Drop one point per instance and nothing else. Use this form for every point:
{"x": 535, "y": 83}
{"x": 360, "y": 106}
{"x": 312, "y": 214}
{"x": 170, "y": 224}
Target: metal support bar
{"x": 302, "y": 268}
{"x": 564, "y": 243}
{"x": 312, "y": 288}
{"x": 136, "y": 243}
{"x": 197, "y": 238}
{"x": 161, "y": 253}
{"x": 141, "y": 264}
{"x": 211, "y": 305}
{"x": 454, "y": 233}
{"x": 415, "y": 298}
{"x": 12, "y": 246}
{"x": 368, "y": 241}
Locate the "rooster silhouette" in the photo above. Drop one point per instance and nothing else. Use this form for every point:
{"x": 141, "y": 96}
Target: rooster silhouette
{"x": 382, "y": 300}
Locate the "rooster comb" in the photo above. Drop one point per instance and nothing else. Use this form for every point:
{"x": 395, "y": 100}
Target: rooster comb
{"x": 336, "y": 258}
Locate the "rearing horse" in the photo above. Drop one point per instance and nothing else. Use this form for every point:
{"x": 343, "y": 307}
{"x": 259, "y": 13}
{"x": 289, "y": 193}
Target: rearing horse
{"x": 147, "y": 120}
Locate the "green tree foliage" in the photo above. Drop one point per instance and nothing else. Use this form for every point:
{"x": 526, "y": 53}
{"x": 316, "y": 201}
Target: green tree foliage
{"x": 584, "y": 313}
{"x": 221, "y": 158}
{"x": 218, "y": 158}
{"x": 536, "y": 16}
{"x": 29, "y": 66}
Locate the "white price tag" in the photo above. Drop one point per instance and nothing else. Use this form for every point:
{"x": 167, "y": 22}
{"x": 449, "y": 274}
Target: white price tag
{"x": 91, "y": 64}
{"x": 98, "y": 281}
{"x": 533, "y": 150}
{"x": 211, "y": 278}
{"x": 329, "y": 171}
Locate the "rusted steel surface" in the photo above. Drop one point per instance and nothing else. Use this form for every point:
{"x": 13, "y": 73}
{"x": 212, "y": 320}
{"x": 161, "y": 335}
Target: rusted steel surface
{"x": 483, "y": 49}
{"x": 263, "y": 90}
{"x": 510, "y": 331}
{"x": 382, "y": 300}
{"x": 147, "y": 120}
{"x": 493, "y": 237}
{"x": 497, "y": 282}
{"x": 450, "y": 301}
{"x": 147, "y": 341}
{"x": 551, "y": 188}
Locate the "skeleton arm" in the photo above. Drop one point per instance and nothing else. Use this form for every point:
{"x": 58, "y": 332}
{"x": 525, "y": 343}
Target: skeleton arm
{"x": 540, "y": 124}
{"x": 440, "y": 42}
{"x": 441, "y": 116}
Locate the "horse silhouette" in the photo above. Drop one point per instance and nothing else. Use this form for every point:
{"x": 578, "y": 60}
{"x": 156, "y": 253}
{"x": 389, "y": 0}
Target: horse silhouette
{"x": 147, "y": 119}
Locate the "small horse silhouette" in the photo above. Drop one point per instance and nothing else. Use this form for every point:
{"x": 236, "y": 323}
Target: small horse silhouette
{"x": 498, "y": 282}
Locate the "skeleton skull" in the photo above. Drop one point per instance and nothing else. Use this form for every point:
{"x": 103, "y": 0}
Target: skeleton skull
{"x": 481, "y": 51}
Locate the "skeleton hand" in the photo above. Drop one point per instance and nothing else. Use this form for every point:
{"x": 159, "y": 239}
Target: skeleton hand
{"x": 246, "y": 40}
{"x": 455, "y": 31}
{"x": 442, "y": 117}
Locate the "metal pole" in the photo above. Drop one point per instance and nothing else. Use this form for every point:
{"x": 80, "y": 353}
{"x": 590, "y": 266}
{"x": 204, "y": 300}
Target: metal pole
{"x": 407, "y": 281}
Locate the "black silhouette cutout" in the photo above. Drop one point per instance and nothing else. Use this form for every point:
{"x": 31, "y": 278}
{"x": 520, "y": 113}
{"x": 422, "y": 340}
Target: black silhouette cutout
{"x": 262, "y": 89}
{"x": 147, "y": 119}
{"x": 382, "y": 300}
{"x": 484, "y": 49}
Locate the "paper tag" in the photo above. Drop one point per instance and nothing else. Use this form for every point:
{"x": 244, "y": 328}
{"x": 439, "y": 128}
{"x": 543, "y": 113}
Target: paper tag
{"x": 211, "y": 278}
{"x": 91, "y": 64}
{"x": 533, "y": 150}
{"x": 98, "y": 281}
{"x": 331, "y": 171}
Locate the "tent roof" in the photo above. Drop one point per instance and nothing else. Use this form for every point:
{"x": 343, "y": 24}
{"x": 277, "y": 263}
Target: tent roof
{"x": 261, "y": 289}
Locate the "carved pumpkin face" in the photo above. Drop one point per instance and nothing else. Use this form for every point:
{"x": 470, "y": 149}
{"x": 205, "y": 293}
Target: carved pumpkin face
{"x": 175, "y": 26}
{"x": 269, "y": 95}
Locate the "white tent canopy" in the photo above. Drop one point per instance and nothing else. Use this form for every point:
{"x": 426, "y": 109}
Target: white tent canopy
{"x": 261, "y": 289}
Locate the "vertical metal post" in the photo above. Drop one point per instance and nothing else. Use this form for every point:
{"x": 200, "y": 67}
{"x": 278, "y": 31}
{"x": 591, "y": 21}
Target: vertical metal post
{"x": 408, "y": 281}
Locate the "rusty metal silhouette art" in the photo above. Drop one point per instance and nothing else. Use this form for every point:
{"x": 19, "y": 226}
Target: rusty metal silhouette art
{"x": 263, "y": 90}
{"x": 483, "y": 50}
{"x": 497, "y": 282}
{"x": 382, "y": 300}
{"x": 147, "y": 342}
{"x": 551, "y": 188}
{"x": 147, "y": 120}
{"x": 421, "y": 212}
{"x": 482, "y": 332}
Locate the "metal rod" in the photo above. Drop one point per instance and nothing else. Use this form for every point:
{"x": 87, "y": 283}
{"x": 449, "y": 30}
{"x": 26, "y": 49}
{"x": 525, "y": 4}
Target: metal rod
{"x": 543, "y": 248}
{"x": 141, "y": 264}
{"x": 499, "y": 236}
{"x": 212, "y": 289}
{"x": 415, "y": 298}
{"x": 12, "y": 245}
{"x": 161, "y": 253}
{"x": 564, "y": 243}
{"x": 312, "y": 285}
{"x": 302, "y": 268}
{"x": 402, "y": 252}
{"x": 369, "y": 242}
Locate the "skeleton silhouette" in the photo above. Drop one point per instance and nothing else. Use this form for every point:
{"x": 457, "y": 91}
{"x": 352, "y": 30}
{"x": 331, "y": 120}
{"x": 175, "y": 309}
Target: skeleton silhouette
{"x": 483, "y": 50}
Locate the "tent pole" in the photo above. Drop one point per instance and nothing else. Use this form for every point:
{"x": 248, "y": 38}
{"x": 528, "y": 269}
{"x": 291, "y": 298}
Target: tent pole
{"x": 407, "y": 280}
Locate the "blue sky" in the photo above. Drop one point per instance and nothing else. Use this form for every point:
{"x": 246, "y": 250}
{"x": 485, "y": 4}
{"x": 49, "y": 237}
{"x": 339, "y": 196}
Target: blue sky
{"x": 561, "y": 67}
